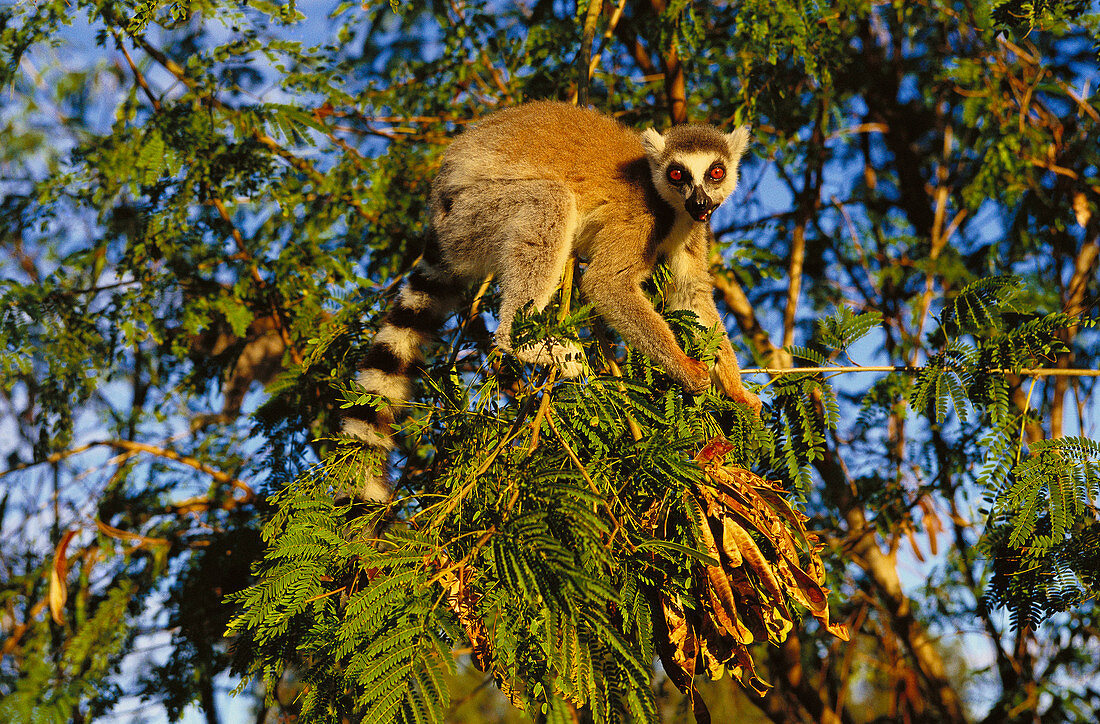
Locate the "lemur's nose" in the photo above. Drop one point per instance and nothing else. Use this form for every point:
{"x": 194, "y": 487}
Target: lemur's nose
{"x": 698, "y": 205}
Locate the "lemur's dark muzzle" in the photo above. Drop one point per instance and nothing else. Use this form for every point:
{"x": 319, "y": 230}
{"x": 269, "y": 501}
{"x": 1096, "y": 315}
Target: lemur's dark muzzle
{"x": 699, "y": 205}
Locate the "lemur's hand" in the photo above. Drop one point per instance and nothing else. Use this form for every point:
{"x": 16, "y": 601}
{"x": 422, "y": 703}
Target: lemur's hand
{"x": 693, "y": 375}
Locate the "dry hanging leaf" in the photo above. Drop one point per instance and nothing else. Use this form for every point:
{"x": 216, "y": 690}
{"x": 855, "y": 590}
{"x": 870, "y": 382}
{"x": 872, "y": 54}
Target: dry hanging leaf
{"x": 751, "y": 604}
{"x": 802, "y": 588}
{"x": 729, "y": 543}
{"x": 463, "y": 602}
{"x": 681, "y": 636}
{"x": 744, "y": 670}
{"x": 760, "y": 566}
{"x": 1081, "y": 210}
{"x": 715, "y": 647}
{"x": 59, "y": 592}
{"x": 726, "y": 618}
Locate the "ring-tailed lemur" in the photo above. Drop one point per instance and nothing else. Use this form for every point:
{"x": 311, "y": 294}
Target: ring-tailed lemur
{"x": 521, "y": 192}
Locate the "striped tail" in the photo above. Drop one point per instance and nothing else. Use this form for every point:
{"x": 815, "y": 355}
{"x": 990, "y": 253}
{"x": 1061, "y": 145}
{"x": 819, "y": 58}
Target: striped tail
{"x": 431, "y": 293}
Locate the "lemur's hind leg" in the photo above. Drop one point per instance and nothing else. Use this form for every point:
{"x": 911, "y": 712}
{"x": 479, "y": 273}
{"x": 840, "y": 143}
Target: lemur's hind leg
{"x": 536, "y": 237}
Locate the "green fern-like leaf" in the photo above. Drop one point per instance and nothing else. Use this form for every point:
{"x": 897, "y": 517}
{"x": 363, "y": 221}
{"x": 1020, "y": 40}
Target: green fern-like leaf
{"x": 979, "y": 306}
{"x": 945, "y": 378}
{"x": 839, "y": 331}
{"x": 811, "y": 355}
{"x": 1059, "y": 479}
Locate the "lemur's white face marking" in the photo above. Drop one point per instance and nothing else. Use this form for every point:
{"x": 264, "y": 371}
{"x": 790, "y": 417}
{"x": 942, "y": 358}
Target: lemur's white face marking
{"x": 694, "y": 168}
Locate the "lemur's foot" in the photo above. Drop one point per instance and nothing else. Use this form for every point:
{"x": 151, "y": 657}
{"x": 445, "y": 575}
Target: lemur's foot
{"x": 566, "y": 356}
{"x": 748, "y": 399}
{"x": 728, "y": 379}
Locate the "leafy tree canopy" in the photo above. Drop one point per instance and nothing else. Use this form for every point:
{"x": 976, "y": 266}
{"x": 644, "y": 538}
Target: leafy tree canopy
{"x": 200, "y": 199}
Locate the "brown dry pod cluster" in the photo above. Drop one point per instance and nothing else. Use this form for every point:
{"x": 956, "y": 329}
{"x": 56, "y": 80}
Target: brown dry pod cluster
{"x": 745, "y": 596}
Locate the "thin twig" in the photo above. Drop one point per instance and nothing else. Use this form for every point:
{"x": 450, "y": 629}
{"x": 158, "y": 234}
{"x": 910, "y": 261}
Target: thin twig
{"x": 455, "y": 500}
{"x": 584, "y": 56}
{"x": 808, "y": 200}
{"x": 494, "y": 73}
{"x": 1023, "y": 420}
{"x": 179, "y": 73}
{"x": 609, "y": 357}
{"x": 911, "y": 369}
{"x": 939, "y": 239}
{"x": 174, "y": 68}
{"x": 138, "y": 77}
{"x": 673, "y": 73}
{"x": 594, "y": 61}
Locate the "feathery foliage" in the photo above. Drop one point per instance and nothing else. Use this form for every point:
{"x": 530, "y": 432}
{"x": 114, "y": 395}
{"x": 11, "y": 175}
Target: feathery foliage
{"x": 201, "y": 199}
{"x": 542, "y": 531}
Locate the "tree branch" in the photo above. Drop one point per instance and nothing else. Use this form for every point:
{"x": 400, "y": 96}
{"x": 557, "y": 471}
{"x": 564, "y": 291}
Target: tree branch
{"x": 673, "y": 70}
{"x": 135, "y": 447}
{"x": 738, "y": 302}
{"x": 808, "y": 200}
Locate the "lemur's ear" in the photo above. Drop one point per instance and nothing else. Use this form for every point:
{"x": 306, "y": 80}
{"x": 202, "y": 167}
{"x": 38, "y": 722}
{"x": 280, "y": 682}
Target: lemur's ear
{"x": 738, "y": 141}
{"x": 653, "y": 142}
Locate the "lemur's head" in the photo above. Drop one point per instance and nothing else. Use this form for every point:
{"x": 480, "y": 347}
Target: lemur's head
{"x": 694, "y": 167}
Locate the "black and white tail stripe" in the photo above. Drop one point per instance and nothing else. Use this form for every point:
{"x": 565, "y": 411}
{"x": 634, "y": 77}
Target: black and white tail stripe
{"x": 430, "y": 294}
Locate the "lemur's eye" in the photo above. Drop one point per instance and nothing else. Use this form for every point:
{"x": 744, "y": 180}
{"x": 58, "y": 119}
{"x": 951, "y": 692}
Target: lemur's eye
{"x": 717, "y": 173}
{"x": 676, "y": 174}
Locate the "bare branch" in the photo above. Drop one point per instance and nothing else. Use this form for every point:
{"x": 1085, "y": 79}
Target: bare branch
{"x": 911, "y": 369}
{"x": 136, "y": 447}
{"x": 673, "y": 69}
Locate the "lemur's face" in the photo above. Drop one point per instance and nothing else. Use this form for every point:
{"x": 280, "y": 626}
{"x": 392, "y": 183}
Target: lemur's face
{"x": 694, "y": 168}
{"x": 698, "y": 181}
